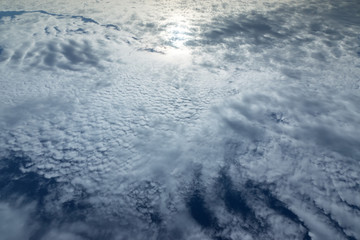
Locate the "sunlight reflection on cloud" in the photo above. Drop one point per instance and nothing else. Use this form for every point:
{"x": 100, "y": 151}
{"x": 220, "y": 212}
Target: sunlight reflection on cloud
{"x": 179, "y": 119}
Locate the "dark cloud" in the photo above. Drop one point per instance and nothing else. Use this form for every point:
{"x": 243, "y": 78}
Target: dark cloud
{"x": 61, "y": 48}
{"x": 13, "y": 14}
{"x": 256, "y": 139}
{"x": 283, "y": 35}
{"x": 56, "y": 54}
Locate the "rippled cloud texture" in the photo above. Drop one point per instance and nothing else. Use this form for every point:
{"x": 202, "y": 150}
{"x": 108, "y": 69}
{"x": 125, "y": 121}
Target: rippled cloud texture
{"x": 179, "y": 119}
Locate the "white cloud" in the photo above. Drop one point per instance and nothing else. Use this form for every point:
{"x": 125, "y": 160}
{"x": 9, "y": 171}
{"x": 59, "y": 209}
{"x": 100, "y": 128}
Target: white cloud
{"x": 16, "y": 222}
{"x": 268, "y": 98}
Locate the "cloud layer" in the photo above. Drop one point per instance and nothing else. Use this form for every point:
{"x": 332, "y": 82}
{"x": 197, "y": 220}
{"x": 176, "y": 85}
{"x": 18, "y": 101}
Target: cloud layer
{"x": 183, "y": 121}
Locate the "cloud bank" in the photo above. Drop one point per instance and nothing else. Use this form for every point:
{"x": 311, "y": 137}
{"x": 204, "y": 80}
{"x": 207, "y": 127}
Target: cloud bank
{"x": 241, "y": 122}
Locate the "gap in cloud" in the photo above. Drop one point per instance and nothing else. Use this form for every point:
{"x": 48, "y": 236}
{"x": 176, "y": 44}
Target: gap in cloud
{"x": 174, "y": 151}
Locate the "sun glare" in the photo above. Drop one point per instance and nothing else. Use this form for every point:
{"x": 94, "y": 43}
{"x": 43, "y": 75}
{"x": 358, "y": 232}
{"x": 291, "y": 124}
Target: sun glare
{"x": 178, "y": 31}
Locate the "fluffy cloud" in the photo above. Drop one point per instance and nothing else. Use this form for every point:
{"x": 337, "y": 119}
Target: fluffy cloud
{"x": 246, "y": 126}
